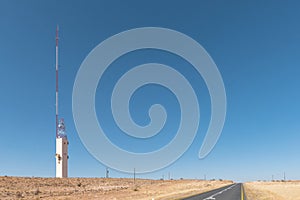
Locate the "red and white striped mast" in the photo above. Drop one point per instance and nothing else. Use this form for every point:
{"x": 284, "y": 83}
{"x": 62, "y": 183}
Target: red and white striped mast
{"x": 61, "y": 137}
{"x": 56, "y": 67}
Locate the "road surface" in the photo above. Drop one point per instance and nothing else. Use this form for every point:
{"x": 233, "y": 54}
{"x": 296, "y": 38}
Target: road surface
{"x": 231, "y": 192}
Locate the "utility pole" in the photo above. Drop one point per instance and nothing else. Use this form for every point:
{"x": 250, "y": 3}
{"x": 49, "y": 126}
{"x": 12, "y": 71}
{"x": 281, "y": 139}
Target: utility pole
{"x": 284, "y": 176}
{"x": 107, "y": 172}
{"x": 134, "y": 175}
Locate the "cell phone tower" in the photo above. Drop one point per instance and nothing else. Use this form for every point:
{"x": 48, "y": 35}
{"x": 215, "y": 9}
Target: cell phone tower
{"x": 61, "y": 137}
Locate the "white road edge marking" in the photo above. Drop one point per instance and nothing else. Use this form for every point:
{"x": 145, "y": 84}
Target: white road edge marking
{"x": 212, "y": 196}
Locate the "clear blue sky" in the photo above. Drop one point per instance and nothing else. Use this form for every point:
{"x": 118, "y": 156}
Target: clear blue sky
{"x": 255, "y": 44}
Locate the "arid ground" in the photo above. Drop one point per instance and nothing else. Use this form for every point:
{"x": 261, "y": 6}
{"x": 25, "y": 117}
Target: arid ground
{"x": 101, "y": 188}
{"x": 277, "y": 190}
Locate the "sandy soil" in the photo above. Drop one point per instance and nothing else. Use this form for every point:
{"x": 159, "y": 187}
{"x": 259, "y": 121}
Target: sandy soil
{"x": 101, "y": 188}
{"x": 289, "y": 190}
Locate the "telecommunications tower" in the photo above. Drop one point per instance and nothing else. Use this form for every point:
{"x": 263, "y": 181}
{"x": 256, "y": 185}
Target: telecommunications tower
{"x": 61, "y": 137}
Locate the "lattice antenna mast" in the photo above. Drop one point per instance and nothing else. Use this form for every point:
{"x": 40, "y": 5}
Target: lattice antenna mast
{"x": 56, "y": 93}
{"x": 61, "y": 137}
{"x": 60, "y": 124}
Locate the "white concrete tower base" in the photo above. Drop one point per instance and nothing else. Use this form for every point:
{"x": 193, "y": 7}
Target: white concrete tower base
{"x": 62, "y": 157}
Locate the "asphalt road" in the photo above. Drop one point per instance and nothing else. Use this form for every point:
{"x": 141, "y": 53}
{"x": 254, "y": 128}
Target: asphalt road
{"x": 231, "y": 192}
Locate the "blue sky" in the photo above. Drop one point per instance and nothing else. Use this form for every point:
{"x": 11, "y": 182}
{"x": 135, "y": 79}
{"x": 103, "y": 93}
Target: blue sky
{"x": 255, "y": 45}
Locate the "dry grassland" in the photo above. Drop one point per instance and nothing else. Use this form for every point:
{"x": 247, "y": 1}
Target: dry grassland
{"x": 289, "y": 190}
{"x": 101, "y": 188}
